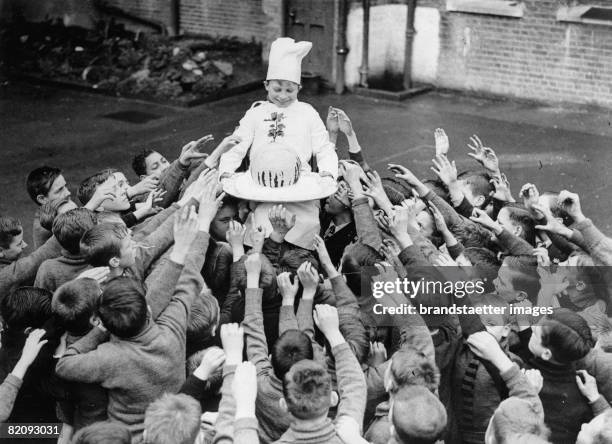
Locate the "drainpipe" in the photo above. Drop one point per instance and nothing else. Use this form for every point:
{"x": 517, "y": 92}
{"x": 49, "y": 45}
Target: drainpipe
{"x": 341, "y": 49}
{"x": 363, "y": 69}
{"x": 175, "y": 18}
{"x": 410, "y": 31}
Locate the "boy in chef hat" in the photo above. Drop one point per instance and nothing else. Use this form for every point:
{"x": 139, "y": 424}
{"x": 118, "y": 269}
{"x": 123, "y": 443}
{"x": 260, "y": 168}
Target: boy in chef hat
{"x": 284, "y": 120}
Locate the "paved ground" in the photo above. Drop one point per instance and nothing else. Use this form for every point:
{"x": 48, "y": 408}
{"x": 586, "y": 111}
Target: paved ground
{"x": 553, "y": 147}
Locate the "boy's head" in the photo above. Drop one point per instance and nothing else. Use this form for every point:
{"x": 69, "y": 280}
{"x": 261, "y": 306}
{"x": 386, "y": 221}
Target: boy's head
{"x": 267, "y": 279}
{"x": 69, "y": 228}
{"x": 518, "y": 221}
{"x": 417, "y": 416}
{"x": 74, "y": 303}
{"x": 45, "y": 184}
{"x": 11, "y": 238}
{"x": 517, "y": 279}
{"x": 149, "y": 163}
{"x": 598, "y": 431}
{"x": 52, "y": 209}
{"x": 87, "y": 189}
{"x": 220, "y": 223}
{"x": 551, "y": 200}
{"x": 108, "y": 245}
{"x": 173, "y": 418}
{"x": 513, "y": 416}
{"x": 307, "y": 390}
{"x": 292, "y": 346}
{"x": 562, "y": 337}
{"x": 282, "y": 93}
{"x": 498, "y": 324}
{"x": 103, "y": 433}
{"x": 479, "y": 263}
{"x": 123, "y": 308}
{"x": 26, "y": 307}
{"x": 203, "y": 321}
{"x": 397, "y": 190}
{"x": 476, "y": 188}
{"x": 409, "y": 366}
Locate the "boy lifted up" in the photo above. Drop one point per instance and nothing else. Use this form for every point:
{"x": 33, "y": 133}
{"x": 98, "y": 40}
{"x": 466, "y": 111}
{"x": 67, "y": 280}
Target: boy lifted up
{"x": 284, "y": 121}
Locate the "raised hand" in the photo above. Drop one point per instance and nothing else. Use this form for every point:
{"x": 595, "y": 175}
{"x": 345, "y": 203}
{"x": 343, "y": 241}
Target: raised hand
{"x": 484, "y": 155}
{"x": 257, "y": 239}
{"x": 502, "y": 188}
{"x": 190, "y": 151}
{"x": 282, "y": 221}
{"x": 374, "y": 189}
{"x": 541, "y": 254}
{"x": 377, "y": 354}
{"x": 344, "y": 123}
{"x": 570, "y": 202}
{"x": 531, "y": 196}
{"x": 226, "y": 144}
{"x": 481, "y": 217}
{"x": 232, "y": 338}
{"x": 146, "y": 185}
{"x": 442, "y": 143}
{"x": 324, "y": 259}
{"x": 326, "y": 319}
{"x": 309, "y": 277}
{"x": 212, "y": 360}
{"x": 588, "y": 387}
{"x": 331, "y": 122}
{"x": 484, "y": 345}
{"x": 186, "y": 228}
{"x": 286, "y": 288}
{"x": 210, "y": 200}
{"x": 445, "y": 170}
{"x": 438, "y": 219}
{"x": 401, "y": 172}
{"x": 103, "y": 193}
{"x": 552, "y": 225}
{"x": 252, "y": 264}
{"x": 235, "y": 234}
{"x": 32, "y": 346}
{"x": 149, "y": 206}
{"x": 535, "y": 379}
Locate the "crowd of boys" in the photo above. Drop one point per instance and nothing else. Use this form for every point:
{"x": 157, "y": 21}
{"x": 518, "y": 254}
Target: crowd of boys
{"x": 141, "y": 316}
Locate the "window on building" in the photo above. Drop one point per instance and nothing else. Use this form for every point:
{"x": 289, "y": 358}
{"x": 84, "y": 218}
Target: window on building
{"x": 505, "y": 8}
{"x": 599, "y": 15}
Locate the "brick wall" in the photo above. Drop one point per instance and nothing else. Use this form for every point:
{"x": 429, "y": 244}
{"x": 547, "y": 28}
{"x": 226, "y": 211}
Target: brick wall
{"x": 534, "y": 57}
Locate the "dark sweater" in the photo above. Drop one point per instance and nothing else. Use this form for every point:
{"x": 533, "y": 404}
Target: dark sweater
{"x": 565, "y": 408}
{"x": 138, "y": 370}
{"x": 57, "y": 271}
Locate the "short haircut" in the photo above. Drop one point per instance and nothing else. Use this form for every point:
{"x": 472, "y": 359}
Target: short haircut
{"x": 418, "y": 416}
{"x": 527, "y": 278}
{"x": 70, "y": 227}
{"x": 515, "y": 415}
{"x": 139, "y": 162}
{"x": 26, "y": 307}
{"x": 484, "y": 261}
{"x": 397, "y": 190}
{"x": 123, "y": 307}
{"x": 9, "y": 228}
{"x": 215, "y": 379}
{"x": 292, "y": 346}
{"x": 267, "y": 279}
{"x": 471, "y": 235}
{"x": 410, "y": 366}
{"x": 101, "y": 243}
{"x": 493, "y": 300}
{"x": 40, "y": 181}
{"x": 204, "y": 316}
{"x": 479, "y": 185}
{"x": 74, "y": 303}
{"x": 48, "y": 212}
{"x": 567, "y": 335}
{"x": 307, "y": 390}
{"x": 103, "y": 433}
{"x": 89, "y": 185}
{"x": 173, "y": 418}
{"x": 557, "y": 211}
{"x": 529, "y": 438}
{"x": 291, "y": 260}
{"x": 355, "y": 257}
{"x": 523, "y": 218}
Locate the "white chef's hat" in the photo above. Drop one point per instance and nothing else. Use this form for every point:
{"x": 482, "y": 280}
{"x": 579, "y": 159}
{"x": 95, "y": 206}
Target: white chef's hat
{"x": 285, "y": 61}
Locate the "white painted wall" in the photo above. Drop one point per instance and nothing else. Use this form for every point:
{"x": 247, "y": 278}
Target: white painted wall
{"x": 387, "y": 42}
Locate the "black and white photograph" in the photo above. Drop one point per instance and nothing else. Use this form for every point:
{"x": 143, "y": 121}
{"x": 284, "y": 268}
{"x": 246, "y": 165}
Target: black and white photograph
{"x": 305, "y": 221}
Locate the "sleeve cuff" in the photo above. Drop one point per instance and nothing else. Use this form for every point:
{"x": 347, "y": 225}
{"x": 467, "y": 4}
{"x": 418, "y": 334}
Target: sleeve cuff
{"x": 580, "y": 226}
{"x": 511, "y": 373}
{"x": 13, "y": 380}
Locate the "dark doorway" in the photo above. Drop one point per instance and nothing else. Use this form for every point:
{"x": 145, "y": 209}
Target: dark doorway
{"x": 313, "y": 20}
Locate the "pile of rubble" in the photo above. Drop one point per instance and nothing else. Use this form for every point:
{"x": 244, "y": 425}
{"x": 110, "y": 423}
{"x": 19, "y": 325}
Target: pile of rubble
{"x": 130, "y": 64}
